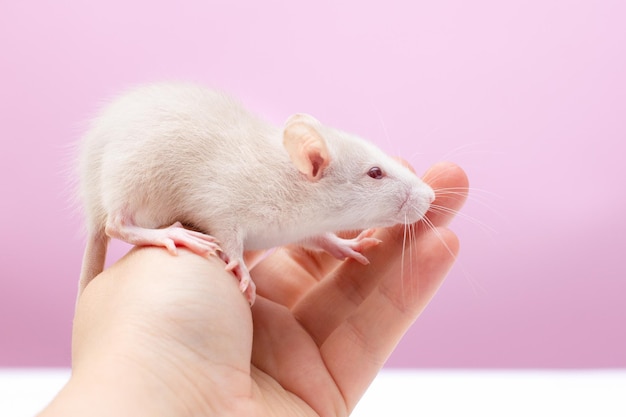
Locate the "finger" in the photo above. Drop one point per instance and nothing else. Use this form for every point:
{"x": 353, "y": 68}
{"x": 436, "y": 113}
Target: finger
{"x": 326, "y": 305}
{"x": 451, "y": 187}
{"x": 405, "y": 163}
{"x": 283, "y": 350}
{"x": 356, "y": 350}
{"x": 252, "y": 257}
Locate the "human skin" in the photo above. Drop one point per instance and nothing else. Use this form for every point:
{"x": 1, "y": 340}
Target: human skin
{"x": 162, "y": 335}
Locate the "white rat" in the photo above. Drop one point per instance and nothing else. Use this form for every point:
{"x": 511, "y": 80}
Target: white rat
{"x": 178, "y": 164}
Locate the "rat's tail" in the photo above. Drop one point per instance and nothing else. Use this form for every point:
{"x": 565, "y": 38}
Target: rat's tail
{"x": 93, "y": 259}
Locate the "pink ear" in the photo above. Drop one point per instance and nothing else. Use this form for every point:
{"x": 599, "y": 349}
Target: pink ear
{"x": 306, "y": 147}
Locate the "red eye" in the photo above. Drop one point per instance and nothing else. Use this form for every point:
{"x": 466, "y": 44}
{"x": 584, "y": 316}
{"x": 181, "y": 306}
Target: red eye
{"x": 375, "y": 173}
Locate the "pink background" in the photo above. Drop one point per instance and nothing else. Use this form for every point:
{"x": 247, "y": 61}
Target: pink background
{"x": 528, "y": 96}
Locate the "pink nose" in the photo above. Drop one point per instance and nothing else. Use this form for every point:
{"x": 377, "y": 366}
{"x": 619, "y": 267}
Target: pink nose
{"x": 431, "y": 196}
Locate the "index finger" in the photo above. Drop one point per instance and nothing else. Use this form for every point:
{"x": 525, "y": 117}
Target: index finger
{"x": 451, "y": 187}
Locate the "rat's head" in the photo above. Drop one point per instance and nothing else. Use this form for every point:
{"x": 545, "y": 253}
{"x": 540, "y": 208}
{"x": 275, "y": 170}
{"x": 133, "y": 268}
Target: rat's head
{"x": 357, "y": 182}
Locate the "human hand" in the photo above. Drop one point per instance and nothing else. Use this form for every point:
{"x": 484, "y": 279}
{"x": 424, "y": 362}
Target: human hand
{"x": 157, "y": 334}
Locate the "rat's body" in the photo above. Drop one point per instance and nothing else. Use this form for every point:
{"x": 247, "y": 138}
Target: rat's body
{"x": 170, "y": 153}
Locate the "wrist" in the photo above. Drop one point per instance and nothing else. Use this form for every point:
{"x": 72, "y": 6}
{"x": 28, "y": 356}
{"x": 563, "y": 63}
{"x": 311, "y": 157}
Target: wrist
{"x": 116, "y": 387}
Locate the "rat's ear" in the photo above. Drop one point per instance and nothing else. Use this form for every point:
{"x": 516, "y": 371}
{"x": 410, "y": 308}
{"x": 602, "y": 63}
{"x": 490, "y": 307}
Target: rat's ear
{"x": 306, "y": 147}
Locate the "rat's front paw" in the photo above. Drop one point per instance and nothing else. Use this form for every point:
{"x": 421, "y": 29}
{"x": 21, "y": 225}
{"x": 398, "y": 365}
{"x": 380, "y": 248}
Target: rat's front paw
{"x": 347, "y": 248}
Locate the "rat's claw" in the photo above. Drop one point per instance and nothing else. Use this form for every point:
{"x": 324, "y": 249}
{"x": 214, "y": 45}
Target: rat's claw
{"x": 360, "y": 258}
{"x": 250, "y": 292}
{"x": 170, "y": 246}
{"x": 246, "y": 285}
{"x": 365, "y": 240}
{"x": 366, "y": 233}
{"x": 347, "y": 248}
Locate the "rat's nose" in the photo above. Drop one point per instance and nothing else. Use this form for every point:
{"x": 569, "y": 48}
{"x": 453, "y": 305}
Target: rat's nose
{"x": 431, "y": 195}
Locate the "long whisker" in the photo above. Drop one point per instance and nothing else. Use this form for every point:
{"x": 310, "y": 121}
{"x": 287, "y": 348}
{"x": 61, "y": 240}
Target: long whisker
{"x": 408, "y": 238}
{"x": 470, "y": 194}
{"x": 433, "y": 228}
{"x": 411, "y": 241}
{"x": 470, "y": 278}
{"x": 404, "y": 238}
{"x": 445, "y": 210}
{"x": 468, "y": 189}
{"x": 413, "y": 156}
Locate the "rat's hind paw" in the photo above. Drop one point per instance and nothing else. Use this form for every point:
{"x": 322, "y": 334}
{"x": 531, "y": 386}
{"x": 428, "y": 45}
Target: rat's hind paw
{"x": 175, "y": 235}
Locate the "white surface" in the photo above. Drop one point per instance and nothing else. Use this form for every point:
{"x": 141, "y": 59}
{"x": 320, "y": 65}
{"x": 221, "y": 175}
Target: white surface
{"x": 496, "y": 393}
{"x": 23, "y": 392}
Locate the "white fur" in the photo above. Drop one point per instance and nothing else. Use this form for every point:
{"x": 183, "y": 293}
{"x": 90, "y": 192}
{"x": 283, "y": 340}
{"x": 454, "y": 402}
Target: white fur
{"x": 177, "y": 152}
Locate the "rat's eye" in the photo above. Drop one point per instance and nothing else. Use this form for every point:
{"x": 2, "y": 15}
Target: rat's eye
{"x": 375, "y": 173}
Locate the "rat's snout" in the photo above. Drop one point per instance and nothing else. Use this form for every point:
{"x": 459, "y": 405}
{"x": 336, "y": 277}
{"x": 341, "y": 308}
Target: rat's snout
{"x": 417, "y": 202}
{"x": 424, "y": 193}
{"x": 429, "y": 193}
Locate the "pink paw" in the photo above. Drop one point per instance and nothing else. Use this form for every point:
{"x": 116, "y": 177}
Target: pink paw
{"x": 123, "y": 228}
{"x": 348, "y": 248}
{"x": 246, "y": 285}
{"x": 197, "y": 242}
